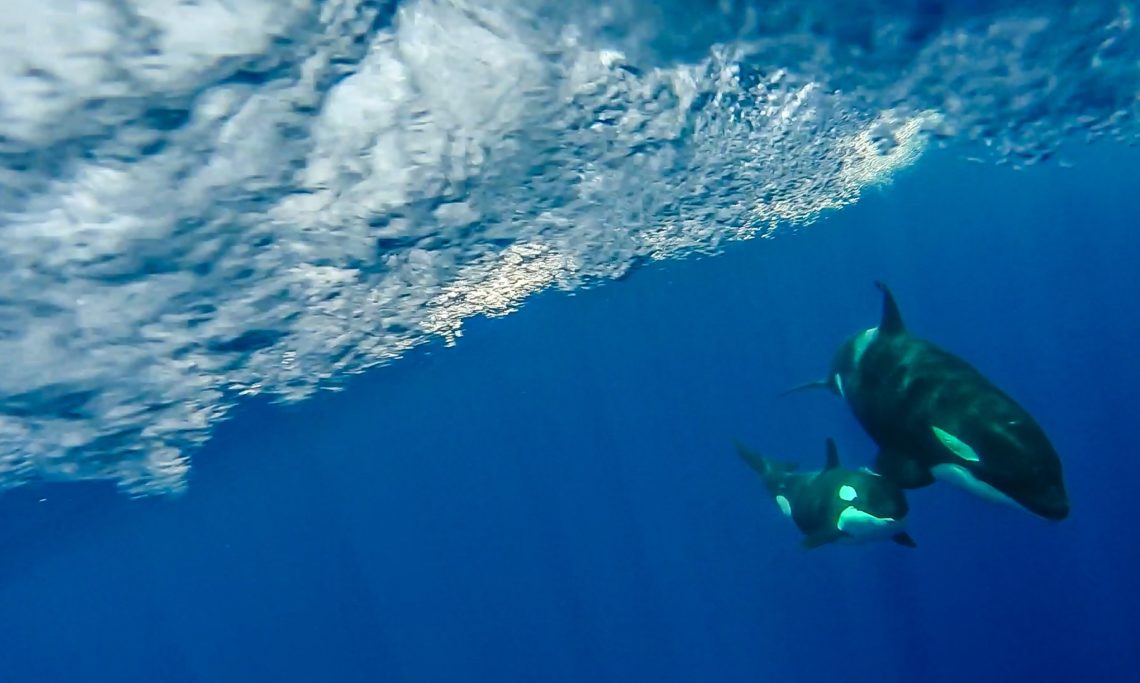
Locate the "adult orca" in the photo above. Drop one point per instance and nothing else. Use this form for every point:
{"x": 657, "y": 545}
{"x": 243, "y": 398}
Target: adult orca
{"x": 935, "y": 417}
{"x": 835, "y": 503}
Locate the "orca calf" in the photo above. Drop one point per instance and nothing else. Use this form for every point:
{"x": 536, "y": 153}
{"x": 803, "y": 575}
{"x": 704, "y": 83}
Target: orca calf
{"x": 935, "y": 417}
{"x": 835, "y": 503}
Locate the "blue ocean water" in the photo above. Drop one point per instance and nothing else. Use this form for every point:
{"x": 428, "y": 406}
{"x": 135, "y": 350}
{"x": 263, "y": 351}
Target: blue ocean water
{"x": 556, "y": 497}
{"x": 516, "y": 237}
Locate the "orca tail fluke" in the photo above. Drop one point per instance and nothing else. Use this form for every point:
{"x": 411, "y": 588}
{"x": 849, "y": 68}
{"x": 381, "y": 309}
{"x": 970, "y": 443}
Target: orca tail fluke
{"x": 754, "y": 460}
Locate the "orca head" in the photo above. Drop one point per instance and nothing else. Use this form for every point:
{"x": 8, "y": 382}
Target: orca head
{"x": 1044, "y": 498}
{"x": 871, "y": 507}
{"x": 1052, "y": 503}
{"x": 1039, "y": 490}
{"x": 1008, "y": 468}
{"x": 1036, "y": 480}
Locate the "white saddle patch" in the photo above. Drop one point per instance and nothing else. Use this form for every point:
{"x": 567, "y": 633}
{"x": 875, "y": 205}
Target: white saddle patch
{"x": 861, "y": 343}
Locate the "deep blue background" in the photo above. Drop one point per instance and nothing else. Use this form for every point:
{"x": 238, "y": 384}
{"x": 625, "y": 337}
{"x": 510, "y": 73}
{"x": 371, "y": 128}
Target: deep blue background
{"x": 557, "y": 498}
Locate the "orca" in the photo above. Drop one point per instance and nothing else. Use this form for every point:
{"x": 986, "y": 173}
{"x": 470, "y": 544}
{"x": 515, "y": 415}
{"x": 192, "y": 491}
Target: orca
{"x": 834, "y": 504}
{"x": 935, "y": 417}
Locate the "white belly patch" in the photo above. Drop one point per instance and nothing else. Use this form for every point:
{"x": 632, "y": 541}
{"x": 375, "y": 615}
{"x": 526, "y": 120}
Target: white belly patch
{"x": 863, "y": 526}
{"x": 961, "y": 477}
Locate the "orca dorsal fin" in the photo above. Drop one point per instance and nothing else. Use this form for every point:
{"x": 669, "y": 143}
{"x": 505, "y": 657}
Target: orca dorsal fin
{"x": 892, "y": 322}
{"x": 832, "y": 456}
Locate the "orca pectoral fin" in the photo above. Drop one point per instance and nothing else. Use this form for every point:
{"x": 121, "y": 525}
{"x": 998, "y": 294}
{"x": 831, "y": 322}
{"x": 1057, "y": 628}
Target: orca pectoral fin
{"x": 903, "y": 538}
{"x": 815, "y": 384}
{"x": 891, "y": 322}
{"x": 903, "y": 470}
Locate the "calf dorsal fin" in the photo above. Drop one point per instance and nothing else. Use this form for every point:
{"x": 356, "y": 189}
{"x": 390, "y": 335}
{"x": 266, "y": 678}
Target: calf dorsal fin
{"x": 832, "y": 456}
